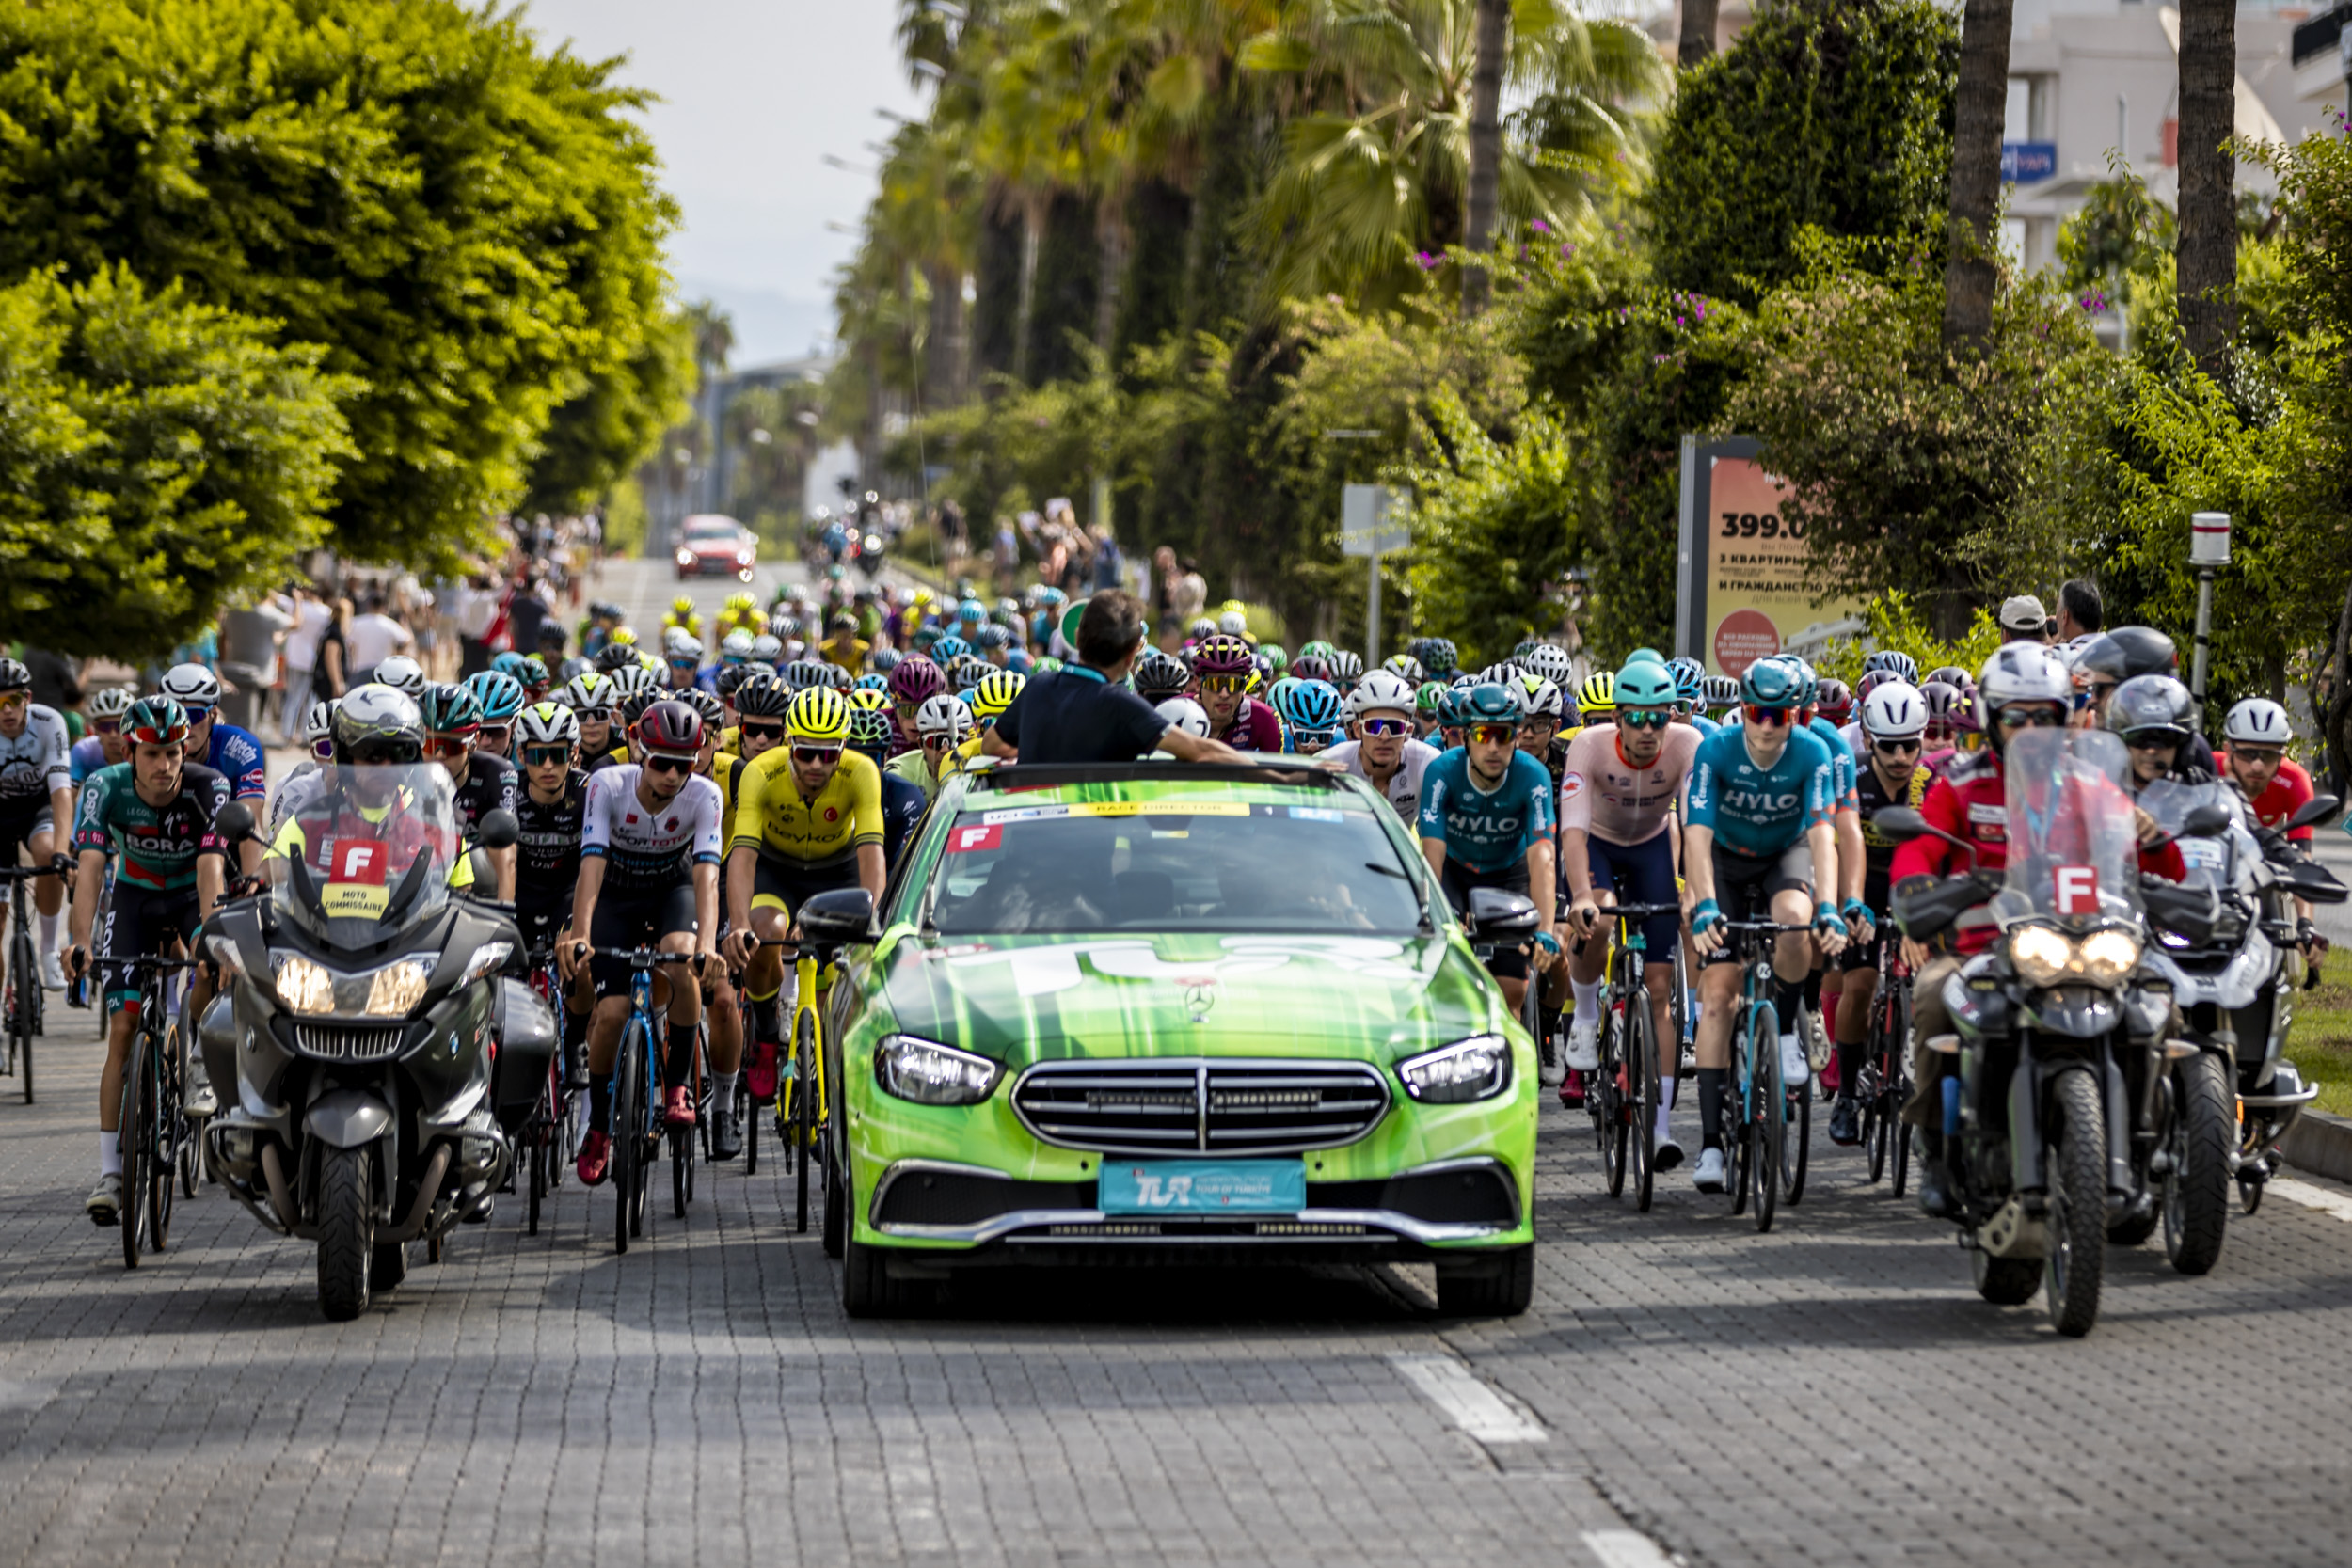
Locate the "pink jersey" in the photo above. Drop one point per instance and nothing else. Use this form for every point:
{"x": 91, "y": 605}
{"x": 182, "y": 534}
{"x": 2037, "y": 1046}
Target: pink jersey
{"x": 1611, "y": 798}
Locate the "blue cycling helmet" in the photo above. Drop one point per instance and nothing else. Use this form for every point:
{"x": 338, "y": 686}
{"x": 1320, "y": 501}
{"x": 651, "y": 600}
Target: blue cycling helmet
{"x": 1278, "y": 693}
{"x": 1770, "y": 682}
{"x": 948, "y": 649}
{"x": 500, "y": 694}
{"x": 1488, "y": 703}
{"x": 1308, "y": 705}
{"x": 509, "y": 663}
{"x": 1644, "y": 655}
{"x": 1690, "y": 680}
{"x": 1807, "y": 683}
{"x": 1895, "y": 662}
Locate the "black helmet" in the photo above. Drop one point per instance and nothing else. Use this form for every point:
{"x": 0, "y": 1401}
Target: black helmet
{"x": 2152, "y": 706}
{"x": 1159, "y": 674}
{"x": 615, "y": 656}
{"x": 2146, "y": 651}
{"x": 668, "y": 729}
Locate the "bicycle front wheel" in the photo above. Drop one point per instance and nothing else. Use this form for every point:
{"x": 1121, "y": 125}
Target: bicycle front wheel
{"x": 1766, "y": 1099}
{"x": 803, "y": 1110}
{"x": 132, "y": 1134}
{"x": 1605, "y": 1096}
{"x": 1643, "y": 1101}
{"x": 628, "y": 1130}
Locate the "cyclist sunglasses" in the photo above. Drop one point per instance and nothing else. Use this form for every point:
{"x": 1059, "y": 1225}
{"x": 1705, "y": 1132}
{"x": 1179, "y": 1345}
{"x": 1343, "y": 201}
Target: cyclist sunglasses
{"x": 1225, "y": 685}
{"x": 933, "y": 743}
{"x": 1896, "y": 748}
{"x": 1645, "y": 718}
{"x": 492, "y": 732}
{"x": 323, "y": 750}
{"x": 1493, "y": 735}
{"x": 1758, "y": 714}
{"x": 444, "y": 745}
{"x": 1388, "y": 726}
{"x": 545, "y": 756}
{"x": 658, "y": 763}
{"x": 803, "y": 752}
{"x": 760, "y": 732}
{"x": 593, "y": 715}
{"x": 103, "y": 726}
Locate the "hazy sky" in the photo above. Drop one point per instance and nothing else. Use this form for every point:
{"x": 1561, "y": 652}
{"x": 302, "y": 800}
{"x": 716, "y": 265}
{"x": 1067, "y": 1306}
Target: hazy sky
{"x": 756, "y": 92}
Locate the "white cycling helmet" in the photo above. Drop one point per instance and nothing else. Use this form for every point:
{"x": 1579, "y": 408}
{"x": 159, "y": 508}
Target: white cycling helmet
{"x": 1547, "y": 659}
{"x": 319, "y": 723}
{"x": 632, "y": 680}
{"x": 1380, "y": 692}
{"x": 1234, "y": 622}
{"x": 684, "y": 647}
{"x": 402, "y": 675}
{"x": 672, "y": 636}
{"x": 1404, "y": 667}
{"x": 768, "y": 650}
{"x": 112, "y": 702}
{"x": 192, "y": 686}
{"x": 2258, "y": 721}
{"x": 1186, "y": 715}
{"x": 737, "y": 645}
{"x": 2020, "y": 673}
{"x": 546, "y": 724}
{"x": 945, "y": 714}
{"x": 1893, "y": 710}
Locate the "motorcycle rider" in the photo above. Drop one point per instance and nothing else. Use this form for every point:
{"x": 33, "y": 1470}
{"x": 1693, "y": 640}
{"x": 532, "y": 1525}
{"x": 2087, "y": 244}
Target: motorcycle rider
{"x": 2024, "y": 685}
{"x": 2274, "y": 785}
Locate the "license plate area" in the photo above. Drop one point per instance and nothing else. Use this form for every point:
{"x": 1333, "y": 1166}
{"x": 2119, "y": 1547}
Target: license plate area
{"x": 1203, "y": 1186}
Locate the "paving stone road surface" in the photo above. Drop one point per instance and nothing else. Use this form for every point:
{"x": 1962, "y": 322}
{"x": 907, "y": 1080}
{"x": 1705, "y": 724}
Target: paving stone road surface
{"x": 1832, "y": 1392}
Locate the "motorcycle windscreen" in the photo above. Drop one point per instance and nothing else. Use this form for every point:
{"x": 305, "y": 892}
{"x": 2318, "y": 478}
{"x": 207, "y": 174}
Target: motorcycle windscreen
{"x": 2073, "y": 848}
{"x": 364, "y": 852}
{"x": 2209, "y": 860}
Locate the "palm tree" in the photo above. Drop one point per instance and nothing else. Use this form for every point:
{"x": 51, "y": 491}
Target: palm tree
{"x": 1971, "y": 265}
{"x": 1486, "y": 144}
{"x": 2208, "y": 215}
{"x": 1375, "y": 169}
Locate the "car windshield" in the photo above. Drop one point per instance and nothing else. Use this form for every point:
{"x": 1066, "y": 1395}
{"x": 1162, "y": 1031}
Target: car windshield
{"x": 364, "y": 852}
{"x": 711, "y": 528}
{"x": 1202, "y": 857}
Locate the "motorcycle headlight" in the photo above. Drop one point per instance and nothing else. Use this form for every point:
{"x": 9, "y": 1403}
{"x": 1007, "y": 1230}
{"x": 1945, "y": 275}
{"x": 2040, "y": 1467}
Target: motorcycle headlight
{"x": 303, "y": 985}
{"x": 397, "y": 989}
{"x": 2108, "y": 955}
{"x": 489, "y": 955}
{"x": 1475, "y": 1068}
{"x": 2039, "y": 954}
{"x": 930, "y": 1073}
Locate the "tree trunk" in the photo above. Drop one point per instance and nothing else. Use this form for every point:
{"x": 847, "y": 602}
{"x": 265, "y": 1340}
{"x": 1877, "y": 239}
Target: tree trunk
{"x": 1032, "y": 239}
{"x": 943, "y": 338}
{"x": 1970, "y": 270}
{"x": 1486, "y": 146}
{"x": 2208, "y": 242}
{"x": 997, "y": 295}
{"x": 2334, "y": 707}
{"x": 1111, "y": 239}
{"x": 1697, "y": 42}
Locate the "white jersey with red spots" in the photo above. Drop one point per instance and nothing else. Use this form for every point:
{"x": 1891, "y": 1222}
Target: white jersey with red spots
{"x": 1612, "y": 800}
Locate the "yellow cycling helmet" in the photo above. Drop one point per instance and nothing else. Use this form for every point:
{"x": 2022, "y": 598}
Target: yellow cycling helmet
{"x": 820, "y": 713}
{"x": 623, "y": 636}
{"x": 995, "y": 694}
{"x": 683, "y": 604}
{"x": 1598, "y": 695}
{"x": 866, "y": 698}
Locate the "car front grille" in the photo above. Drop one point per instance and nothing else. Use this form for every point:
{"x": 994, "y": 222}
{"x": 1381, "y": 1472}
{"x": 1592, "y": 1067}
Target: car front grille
{"x": 1201, "y": 1107}
{"x": 340, "y": 1043}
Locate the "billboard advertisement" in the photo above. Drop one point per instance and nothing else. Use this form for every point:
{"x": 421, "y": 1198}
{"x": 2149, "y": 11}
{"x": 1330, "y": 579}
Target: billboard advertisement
{"x": 1744, "y": 588}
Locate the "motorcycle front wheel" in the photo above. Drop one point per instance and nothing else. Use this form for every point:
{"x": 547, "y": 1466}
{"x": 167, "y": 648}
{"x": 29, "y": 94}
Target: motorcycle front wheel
{"x": 2073, "y": 1273}
{"x": 346, "y": 1233}
{"x": 2197, "y": 1188}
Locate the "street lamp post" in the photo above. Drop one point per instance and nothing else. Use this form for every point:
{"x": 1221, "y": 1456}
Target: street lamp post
{"x": 2208, "y": 551}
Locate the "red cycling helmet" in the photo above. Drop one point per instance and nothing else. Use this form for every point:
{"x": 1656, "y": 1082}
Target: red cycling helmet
{"x": 915, "y": 681}
{"x": 670, "y": 729}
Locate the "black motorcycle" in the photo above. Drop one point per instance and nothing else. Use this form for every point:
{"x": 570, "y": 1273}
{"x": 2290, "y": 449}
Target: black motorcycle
{"x": 2058, "y": 1027}
{"x": 365, "y": 1029}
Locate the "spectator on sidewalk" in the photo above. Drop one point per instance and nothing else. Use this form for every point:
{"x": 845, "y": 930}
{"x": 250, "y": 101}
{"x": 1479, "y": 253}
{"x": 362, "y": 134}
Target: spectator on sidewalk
{"x": 312, "y": 615}
{"x": 476, "y": 608}
{"x": 2081, "y": 612}
{"x": 372, "y": 638}
{"x": 2023, "y": 620}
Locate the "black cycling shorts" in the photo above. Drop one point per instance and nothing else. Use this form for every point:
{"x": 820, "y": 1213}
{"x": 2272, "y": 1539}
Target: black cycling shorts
{"x": 1457, "y": 879}
{"x": 788, "y": 884}
{"x": 1744, "y": 886}
{"x": 636, "y": 920}
{"x": 139, "y": 922}
{"x": 540, "y": 919}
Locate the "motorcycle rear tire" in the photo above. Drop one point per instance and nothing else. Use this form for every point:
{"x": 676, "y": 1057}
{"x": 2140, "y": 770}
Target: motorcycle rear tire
{"x": 346, "y": 1233}
{"x": 2196, "y": 1189}
{"x": 2074, "y": 1271}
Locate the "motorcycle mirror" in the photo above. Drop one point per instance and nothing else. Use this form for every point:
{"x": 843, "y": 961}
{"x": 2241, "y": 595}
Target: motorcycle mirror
{"x": 234, "y": 821}
{"x": 1898, "y": 822}
{"x": 2316, "y": 812}
{"x": 500, "y": 830}
{"x": 2206, "y": 821}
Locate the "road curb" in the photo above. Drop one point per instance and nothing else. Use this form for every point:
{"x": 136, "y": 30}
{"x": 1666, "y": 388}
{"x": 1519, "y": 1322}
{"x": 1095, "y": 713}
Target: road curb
{"x": 2320, "y": 1144}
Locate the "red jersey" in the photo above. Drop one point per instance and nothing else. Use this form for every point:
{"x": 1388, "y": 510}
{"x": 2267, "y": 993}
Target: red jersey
{"x": 2289, "y": 792}
{"x": 1971, "y": 804}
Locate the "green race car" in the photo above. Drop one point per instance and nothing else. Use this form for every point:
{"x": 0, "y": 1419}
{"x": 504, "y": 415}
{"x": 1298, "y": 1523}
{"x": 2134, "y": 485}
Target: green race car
{"x": 1151, "y": 1011}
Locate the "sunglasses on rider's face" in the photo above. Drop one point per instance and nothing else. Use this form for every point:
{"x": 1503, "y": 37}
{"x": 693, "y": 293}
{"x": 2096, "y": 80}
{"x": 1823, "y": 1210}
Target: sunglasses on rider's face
{"x": 324, "y": 750}
{"x": 1644, "y": 719}
{"x": 2031, "y": 719}
{"x": 1224, "y": 686}
{"x": 445, "y": 745}
{"x": 493, "y": 732}
{"x": 595, "y": 714}
{"x": 1493, "y": 735}
{"x": 934, "y": 742}
{"x": 546, "y": 756}
{"x": 811, "y": 756}
{"x": 106, "y": 726}
{"x": 2257, "y": 756}
{"x": 197, "y": 715}
{"x": 761, "y": 732}
{"x": 1760, "y": 715}
{"x": 1388, "y": 726}
{"x": 22, "y": 699}
{"x": 1895, "y": 748}
{"x": 657, "y": 762}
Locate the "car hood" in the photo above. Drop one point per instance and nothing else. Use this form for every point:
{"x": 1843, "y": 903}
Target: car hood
{"x": 1025, "y": 999}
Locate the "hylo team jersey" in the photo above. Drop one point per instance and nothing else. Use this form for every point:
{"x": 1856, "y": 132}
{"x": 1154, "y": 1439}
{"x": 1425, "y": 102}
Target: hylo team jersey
{"x": 158, "y": 844}
{"x": 1486, "y": 832}
{"x": 1754, "y": 810}
{"x": 1611, "y": 798}
{"x": 644, "y": 847}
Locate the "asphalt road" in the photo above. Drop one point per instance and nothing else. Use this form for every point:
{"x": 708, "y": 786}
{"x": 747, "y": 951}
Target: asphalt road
{"x": 1684, "y": 1388}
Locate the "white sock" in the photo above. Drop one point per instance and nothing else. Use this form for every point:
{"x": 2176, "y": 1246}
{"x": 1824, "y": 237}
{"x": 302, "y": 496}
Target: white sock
{"x": 723, "y": 1088}
{"x": 109, "y": 1154}
{"x": 1665, "y": 1113}
{"x": 49, "y": 931}
{"x": 1587, "y": 1001}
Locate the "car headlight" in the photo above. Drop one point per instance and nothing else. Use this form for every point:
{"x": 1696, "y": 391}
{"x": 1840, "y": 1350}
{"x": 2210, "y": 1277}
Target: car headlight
{"x": 2039, "y": 954}
{"x": 1475, "y": 1068}
{"x": 930, "y": 1073}
{"x": 2108, "y": 955}
{"x": 397, "y": 989}
{"x": 489, "y": 955}
{"x": 686, "y": 558}
{"x": 303, "y": 985}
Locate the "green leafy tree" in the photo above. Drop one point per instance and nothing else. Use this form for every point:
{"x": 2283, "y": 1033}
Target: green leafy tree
{"x": 1834, "y": 116}
{"x": 465, "y": 224}
{"x": 156, "y": 456}
{"x": 593, "y": 441}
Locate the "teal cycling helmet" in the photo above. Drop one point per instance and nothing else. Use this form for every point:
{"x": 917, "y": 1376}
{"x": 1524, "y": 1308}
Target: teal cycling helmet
{"x": 1488, "y": 703}
{"x": 1311, "y": 705}
{"x": 500, "y": 695}
{"x": 1644, "y": 655}
{"x": 1690, "y": 681}
{"x": 1644, "y": 683}
{"x": 1770, "y": 682}
{"x": 1808, "y": 683}
{"x": 509, "y": 664}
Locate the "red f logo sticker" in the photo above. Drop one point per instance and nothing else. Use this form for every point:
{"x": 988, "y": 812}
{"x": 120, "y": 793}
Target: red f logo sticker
{"x": 359, "y": 862}
{"x": 965, "y": 840}
{"x": 2076, "y": 888}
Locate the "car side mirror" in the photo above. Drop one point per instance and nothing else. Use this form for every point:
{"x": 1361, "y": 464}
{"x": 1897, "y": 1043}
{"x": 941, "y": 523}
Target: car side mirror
{"x": 2319, "y": 809}
{"x": 839, "y": 917}
{"x": 1495, "y": 915}
{"x": 500, "y": 830}
{"x": 2207, "y": 821}
{"x": 234, "y": 822}
{"x": 1898, "y": 822}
